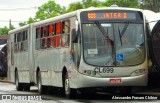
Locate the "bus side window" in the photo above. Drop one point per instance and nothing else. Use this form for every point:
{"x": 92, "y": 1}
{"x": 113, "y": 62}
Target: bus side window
{"x": 38, "y": 36}
{"x": 15, "y": 42}
{"x": 18, "y": 41}
{"x": 26, "y": 41}
{"x": 22, "y": 41}
{"x": 66, "y": 33}
{"x": 58, "y": 32}
{"x": 26, "y": 35}
{"x": 42, "y": 38}
{"x": 47, "y": 35}
{"x": 51, "y": 34}
{"x": 15, "y": 38}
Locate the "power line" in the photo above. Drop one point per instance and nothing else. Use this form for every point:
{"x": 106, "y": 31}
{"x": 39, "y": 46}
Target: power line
{"x": 9, "y": 21}
{"x": 18, "y": 9}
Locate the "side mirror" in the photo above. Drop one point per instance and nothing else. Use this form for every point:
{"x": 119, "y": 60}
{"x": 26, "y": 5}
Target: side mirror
{"x": 75, "y": 33}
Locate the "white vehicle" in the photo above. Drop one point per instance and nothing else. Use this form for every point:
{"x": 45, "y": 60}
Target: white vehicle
{"x": 89, "y": 48}
{"x": 1, "y": 46}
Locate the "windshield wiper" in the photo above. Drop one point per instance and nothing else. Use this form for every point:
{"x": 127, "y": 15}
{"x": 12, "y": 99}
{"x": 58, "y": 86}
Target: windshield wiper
{"x": 123, "y": 31}
{"x": 119, "y": 35}
{"x": 105, "y": 34}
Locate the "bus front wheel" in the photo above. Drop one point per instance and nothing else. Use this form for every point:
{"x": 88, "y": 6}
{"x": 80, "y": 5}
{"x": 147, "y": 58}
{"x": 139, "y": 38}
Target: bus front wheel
{"x": 69, "y": 92}
{"x": 41, "y": 88}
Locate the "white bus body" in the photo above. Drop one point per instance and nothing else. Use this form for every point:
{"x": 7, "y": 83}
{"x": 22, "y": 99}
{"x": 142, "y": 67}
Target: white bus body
{"x": 54, "y": 56}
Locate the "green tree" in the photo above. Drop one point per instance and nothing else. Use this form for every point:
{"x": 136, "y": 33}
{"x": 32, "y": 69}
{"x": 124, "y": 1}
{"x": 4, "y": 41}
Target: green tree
{"x": 22, "y": 23}
{"x": 92, "y": 3}
{"x": 74, "y": 6}
{"x": 5, "y": 30}
{"x": 153, "y": 5}
{"x": 30, "y": 20}
{"x": 48, "y": 10}
{"x": 123, "y": 3}
{"x": 85, "y": 4}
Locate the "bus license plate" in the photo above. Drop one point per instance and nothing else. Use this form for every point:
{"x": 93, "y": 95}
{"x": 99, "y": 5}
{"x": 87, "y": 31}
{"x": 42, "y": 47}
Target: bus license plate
{"x": 115, "y": 80}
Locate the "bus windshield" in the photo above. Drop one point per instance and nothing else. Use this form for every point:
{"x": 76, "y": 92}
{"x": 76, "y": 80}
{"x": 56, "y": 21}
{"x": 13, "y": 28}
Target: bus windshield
{"x": 113, "y": 44}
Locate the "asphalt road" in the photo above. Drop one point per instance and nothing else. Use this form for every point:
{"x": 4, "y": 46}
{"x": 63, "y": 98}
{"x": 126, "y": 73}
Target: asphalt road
{"x": 149, "y": 94}
{"x": 9, "y": 89}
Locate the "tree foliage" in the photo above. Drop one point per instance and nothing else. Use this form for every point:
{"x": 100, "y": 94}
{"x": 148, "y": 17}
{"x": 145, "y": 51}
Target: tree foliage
{"x": 5, "y": 30}
{"x": 84, "y": 4}
{"x": 51, "y": 9}
{"x": 123, "y": 3}
{"x": 30, "y": 20}
{"x": 91, "y": 3}
{"x": 48, "y": 10}
{"x": 153, "y": 5}
{"x": 74, "y": 6}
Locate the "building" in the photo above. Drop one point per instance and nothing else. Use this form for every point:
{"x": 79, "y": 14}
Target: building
{"x": 3, "y": 39}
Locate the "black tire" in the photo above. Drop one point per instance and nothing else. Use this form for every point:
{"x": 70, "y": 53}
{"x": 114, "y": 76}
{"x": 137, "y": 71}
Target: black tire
{"x": 19, "y": 86}
{"x": 41, "y": 88}
{"x": 26, "y": 87}
{"x": 69, "y": 92}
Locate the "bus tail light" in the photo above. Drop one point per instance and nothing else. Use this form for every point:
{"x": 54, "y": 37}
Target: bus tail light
{"x": 139, "y": 72}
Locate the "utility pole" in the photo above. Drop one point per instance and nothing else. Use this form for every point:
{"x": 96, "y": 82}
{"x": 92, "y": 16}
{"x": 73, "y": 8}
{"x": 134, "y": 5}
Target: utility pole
{"x": 115, "y": 2}
{"x": 10, "y": 24}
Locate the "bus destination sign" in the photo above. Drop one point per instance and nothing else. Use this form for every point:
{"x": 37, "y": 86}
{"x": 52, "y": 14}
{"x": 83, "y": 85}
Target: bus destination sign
{"x": 111, "y": 16}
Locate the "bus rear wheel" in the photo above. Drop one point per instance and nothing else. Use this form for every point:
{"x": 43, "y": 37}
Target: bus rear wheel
{"x": 27, "y": 87}
{"x": 19, "y": 86}
{"x": 41, "y": 88}
{"x": 69, "y": 92}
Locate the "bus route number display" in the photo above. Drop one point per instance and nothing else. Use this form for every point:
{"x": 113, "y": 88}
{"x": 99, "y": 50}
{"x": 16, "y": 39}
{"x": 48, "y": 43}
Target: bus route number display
{"x": 111, "y": 16}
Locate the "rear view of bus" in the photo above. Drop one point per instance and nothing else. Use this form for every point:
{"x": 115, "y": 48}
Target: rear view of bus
{"x": 113, "y": 48}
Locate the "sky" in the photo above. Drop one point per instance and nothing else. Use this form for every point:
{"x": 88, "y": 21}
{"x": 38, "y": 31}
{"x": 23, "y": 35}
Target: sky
{"x": 21, "y": 10}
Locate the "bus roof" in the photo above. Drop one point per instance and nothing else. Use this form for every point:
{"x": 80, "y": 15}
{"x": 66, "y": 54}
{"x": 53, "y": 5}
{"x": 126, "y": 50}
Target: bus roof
{"x": 74, "y": 13}
{"x": 18, "y": 29}
{"x": 71, "y": 14}
{"x": 111, "y": 8}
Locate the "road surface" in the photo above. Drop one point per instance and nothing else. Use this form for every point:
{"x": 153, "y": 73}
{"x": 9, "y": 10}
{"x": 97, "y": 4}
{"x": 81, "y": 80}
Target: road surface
{"x": 32, "y": 96}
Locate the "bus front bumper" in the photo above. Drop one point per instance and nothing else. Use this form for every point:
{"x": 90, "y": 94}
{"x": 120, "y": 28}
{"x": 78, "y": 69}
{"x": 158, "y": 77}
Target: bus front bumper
{"x": 83, "y": 81}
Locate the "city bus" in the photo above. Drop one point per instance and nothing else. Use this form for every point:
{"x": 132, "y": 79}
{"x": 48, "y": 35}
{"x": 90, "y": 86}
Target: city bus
{"x": 86, "y": 50}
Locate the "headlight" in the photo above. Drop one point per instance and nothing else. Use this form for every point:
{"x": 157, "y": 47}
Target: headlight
{"x": 139, "y": 72}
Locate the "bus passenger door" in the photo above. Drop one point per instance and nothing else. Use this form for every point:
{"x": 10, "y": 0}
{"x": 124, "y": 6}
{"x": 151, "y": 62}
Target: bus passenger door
{"x": 75, "y": 45}
{"x": 75, "y": 51}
